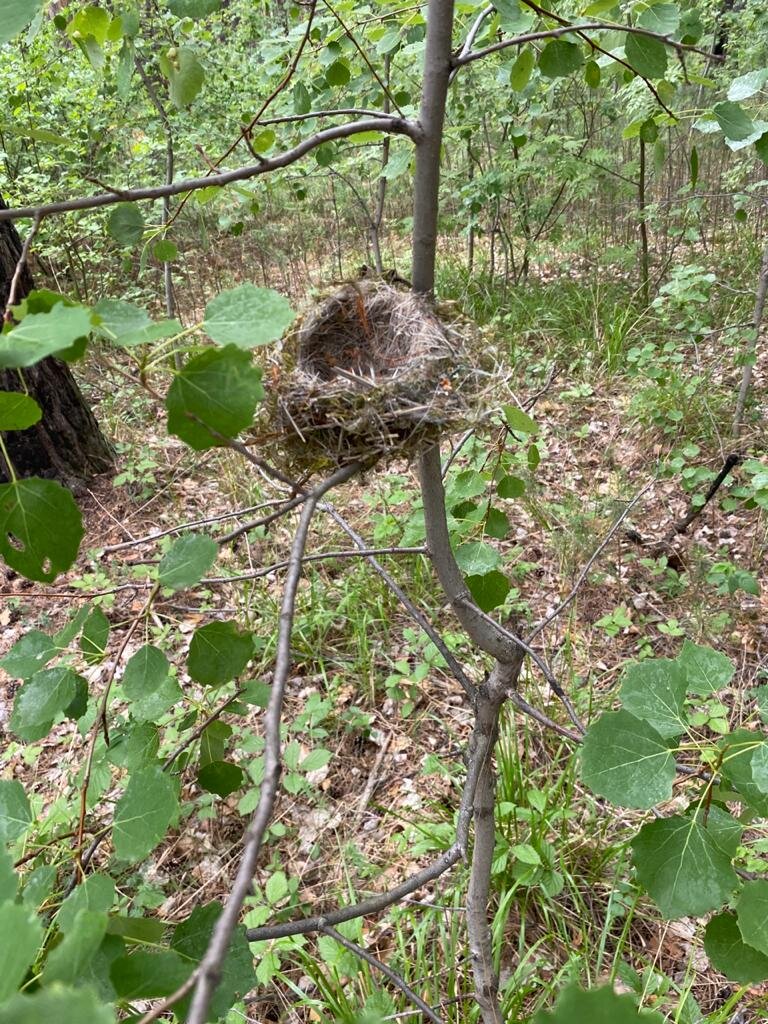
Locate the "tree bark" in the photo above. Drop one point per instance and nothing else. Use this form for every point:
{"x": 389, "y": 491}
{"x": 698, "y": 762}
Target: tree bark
{"x": 67, "y": 443}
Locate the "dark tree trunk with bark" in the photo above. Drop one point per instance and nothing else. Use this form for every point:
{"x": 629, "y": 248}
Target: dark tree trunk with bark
{"x": 67, "y": 443}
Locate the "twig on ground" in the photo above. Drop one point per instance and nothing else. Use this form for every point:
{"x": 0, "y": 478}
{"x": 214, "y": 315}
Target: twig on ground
{"x": 373, "y": 778}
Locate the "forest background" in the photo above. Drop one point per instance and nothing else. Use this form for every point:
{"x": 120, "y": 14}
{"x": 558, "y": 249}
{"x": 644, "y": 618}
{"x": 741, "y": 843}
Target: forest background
{"x": 383, "y": 510}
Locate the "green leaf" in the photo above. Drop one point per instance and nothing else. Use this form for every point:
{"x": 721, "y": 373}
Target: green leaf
{"x": 68, "y": 961}
{"x": 145, "y": 975}
{"x": 138, "y": 929}
{"x": 219, "y": 389}
{"x": 126, "y": 325}
{"x": 15, "y": 812}
{"x": 745, "y": 86}
{"x": 38, "y": 886}
{"x": 302, "y": 102}
{"x": 60, "y": 1004}
{"x": 40, "y": 528}
{"x": 467, "y": 484}
{"x": 654, "y": 690}
{"x": 41, "y": 699}
{"x": 705, "y": 670}
{"x": 734, "y": 122}
{"x": 126, "y": 224}
{"x": 247, "y": 316}
{"x": 15, "y": 15}
{"x": 20, "y": 936}
{"x": 496, "y": 524}
{"x": 510, "y": 487}
{"x": 560, "y": 58}
{"x": 191, "y": 938}
{"x": 134, "y": 746}
{"x": 143, "y": 814}
{"x": 592, "y": 74}
{"x": 625, "y": 760}
{"x": 686, "y": 866}
{"x": 257, "y": 693}
{"x": 596, "y": 1006}
{"x": 187, "y": 561}
{"x": 489, "y": 589}
{"x": 95, "y": 637}
{"x": 193, "y": 8}
{"x": 219, "y": 651}
{"x": 337, "y": 73}
{"x": 513, "y": 17}
{"x": 9, "y": 880}
{"x": 476, "y": 558}
{"x": 165, "y": 251}
{"x": 95, "y": 893}
{"x": 663, "y": 19}
{"x": 519, "y": 420}
{"x": 148, "y": 683}
{"x": 213, "y": 742}
{"x": 90, "y": 21}
{"x": 752, "y": 912}
{"x": 29, "y": 654}
{"x": 185, "y": 75}
{"x": 43, "y": 334}
{"x": 521, "y": 71}
{"x": 220, "y": 777}
{"x": 18, "y": 411}
{"x": 739, "y": 750}
{"x": 729, "y": 954}
{"x": 647, "y": 56}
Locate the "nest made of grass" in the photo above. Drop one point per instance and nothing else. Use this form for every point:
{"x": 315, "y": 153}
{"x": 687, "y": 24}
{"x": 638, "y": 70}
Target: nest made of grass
{"x": 372, "y": 371}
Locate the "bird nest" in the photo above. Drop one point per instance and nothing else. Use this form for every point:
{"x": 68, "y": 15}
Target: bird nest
{"x": 371, "y": 372}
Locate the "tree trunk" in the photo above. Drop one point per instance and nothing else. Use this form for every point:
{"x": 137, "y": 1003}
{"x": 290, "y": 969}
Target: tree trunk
{"x": 67, "y": 443}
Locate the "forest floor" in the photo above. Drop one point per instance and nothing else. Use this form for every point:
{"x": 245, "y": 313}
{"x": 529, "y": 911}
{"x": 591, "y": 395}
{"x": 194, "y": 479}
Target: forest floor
{"x": 364, "y": 688}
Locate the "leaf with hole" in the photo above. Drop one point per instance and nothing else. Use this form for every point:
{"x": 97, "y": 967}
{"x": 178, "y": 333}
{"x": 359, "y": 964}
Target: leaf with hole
{"x": 625, "y": 760}
{"x": 40, "y": 528}
{"x": 187, "y": 561}
{"x": 730, "y": 954}
{"x": 41, "y": 700}
{"x": 219, "y": 651}
{"x": 44, "y": 334}
{"x": 216, "y": 391}
{"x": 18, "y": 411}
{"x": 654, "y": 690}
{"x": 247, "y": 316}
{"x": 143, "y": 814}
{"x": 684, "y": 862}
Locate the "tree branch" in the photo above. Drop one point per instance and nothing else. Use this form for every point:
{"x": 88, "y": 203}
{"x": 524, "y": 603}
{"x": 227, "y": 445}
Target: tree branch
{"x": 211, "y": 963}
{"x": 394, "y": 125}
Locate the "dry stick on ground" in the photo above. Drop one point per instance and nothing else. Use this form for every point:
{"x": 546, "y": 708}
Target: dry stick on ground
{"x": 377, "y": 964}
{"x": 211, "y": 965}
